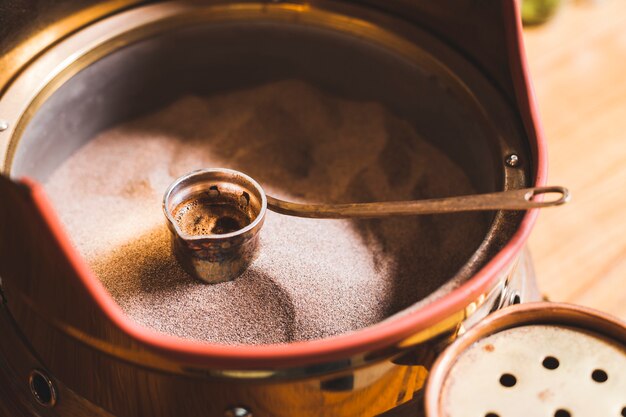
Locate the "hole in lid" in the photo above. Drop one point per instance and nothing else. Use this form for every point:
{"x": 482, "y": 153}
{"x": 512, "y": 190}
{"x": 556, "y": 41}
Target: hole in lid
{"x": 41, "y": 388}
{"x": 624, "y": 412}
{"x": 516, "y": 299}
{"x": 562, "y": 413}
{"x": 492, "y": 415}
{"x": 508, "y": 380}
{"x": 599, "y": 375}
{"x": 550, "y": 362}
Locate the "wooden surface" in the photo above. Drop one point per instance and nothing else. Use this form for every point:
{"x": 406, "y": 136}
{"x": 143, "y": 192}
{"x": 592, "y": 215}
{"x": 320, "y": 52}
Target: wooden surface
{"x": 578, "y": 65}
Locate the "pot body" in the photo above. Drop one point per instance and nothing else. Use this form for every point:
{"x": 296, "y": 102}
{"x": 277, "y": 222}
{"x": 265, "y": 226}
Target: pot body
{"x": 90, "y": 382}
{"x": 57, "y": 319}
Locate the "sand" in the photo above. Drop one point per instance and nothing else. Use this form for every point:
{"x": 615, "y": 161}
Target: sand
{"x": 313, "y": 278}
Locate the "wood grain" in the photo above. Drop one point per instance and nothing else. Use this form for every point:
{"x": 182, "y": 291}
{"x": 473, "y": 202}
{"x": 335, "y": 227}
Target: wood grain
{"x": 578, "y": 66}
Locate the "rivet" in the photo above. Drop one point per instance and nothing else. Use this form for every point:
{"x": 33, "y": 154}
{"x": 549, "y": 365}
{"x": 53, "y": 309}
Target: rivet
{"x": 42, "y": 388}
{"x": 237, "y": 412}
{"x": 512, "y": 160}
{"x": 4, "y": 125}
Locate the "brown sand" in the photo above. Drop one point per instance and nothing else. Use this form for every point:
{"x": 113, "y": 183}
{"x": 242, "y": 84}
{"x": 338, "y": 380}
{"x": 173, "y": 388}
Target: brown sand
{"x": 313, "y": 278}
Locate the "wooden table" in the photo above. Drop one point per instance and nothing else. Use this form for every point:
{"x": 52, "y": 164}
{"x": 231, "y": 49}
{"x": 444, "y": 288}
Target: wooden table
{"x": 578, "y": 66}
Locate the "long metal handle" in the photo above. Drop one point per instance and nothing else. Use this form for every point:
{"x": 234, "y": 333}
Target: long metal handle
{"x": 521, "y": 199}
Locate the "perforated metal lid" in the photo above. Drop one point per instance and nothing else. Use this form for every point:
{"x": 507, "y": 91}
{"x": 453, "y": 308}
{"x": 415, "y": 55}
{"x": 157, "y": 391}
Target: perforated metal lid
{"x": 539, "y": 359}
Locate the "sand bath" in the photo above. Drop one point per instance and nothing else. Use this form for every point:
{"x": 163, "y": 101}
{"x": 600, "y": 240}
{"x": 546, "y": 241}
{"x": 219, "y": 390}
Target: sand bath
{"x": 313, "y": 278}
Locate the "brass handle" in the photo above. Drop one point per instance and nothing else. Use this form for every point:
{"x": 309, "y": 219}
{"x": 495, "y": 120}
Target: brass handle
{"x": 521, "y": 199}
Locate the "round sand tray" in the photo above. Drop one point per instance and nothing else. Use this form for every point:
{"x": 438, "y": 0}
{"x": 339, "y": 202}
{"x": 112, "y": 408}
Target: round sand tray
{"x": 313, "y": 278}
